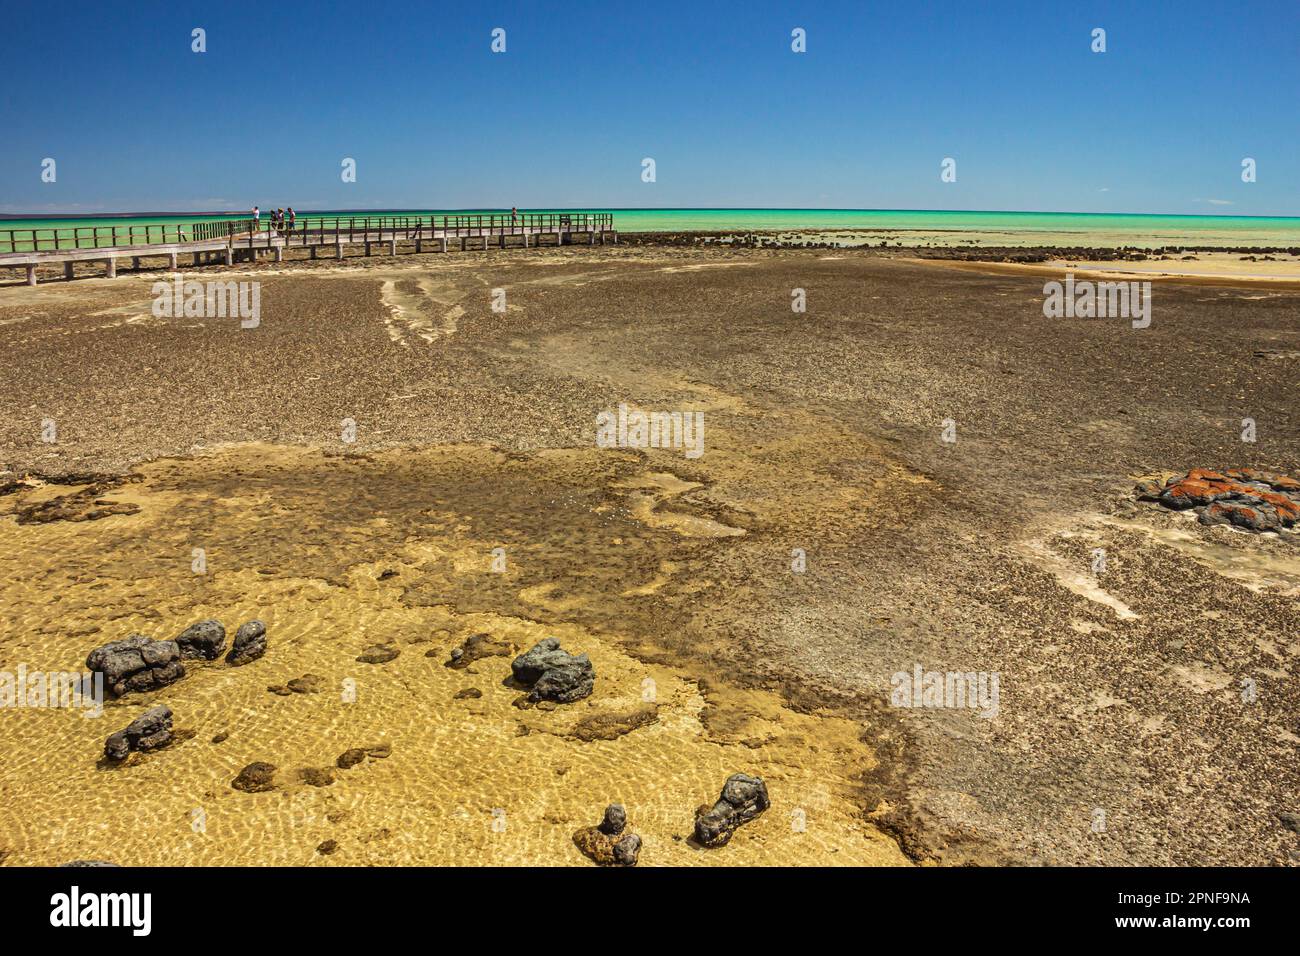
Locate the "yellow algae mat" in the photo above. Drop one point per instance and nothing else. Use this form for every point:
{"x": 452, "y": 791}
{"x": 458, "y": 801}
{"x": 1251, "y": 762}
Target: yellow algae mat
{"x": 338, "y": 554}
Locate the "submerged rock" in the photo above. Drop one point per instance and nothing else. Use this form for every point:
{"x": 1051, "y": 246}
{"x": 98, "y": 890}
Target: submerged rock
{"x": 249, "y": 644}
{"x": 149, "y": 731}
{"x": 475, "y": 648}
{"x": 202, "y": 641}
{"x": 257, "y": 777}
{"x": 743, "y": 798}
{"x": 355, "y": 755}
{"x": 306, "y": 684}
{"x": 137, "y": 664}
{"x": 84, "y": 505}
{"x": 378, "y": 654}
{"x": 317, "y": 776}
{"x": 610, "y": 843}
{"x": 554, "y": 673}
{"x": 611, "y": 726}
{"x": 350, "y": 758}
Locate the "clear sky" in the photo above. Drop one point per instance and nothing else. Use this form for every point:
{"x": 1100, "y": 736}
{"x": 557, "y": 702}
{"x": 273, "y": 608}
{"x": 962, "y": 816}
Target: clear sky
{"x": 711, "y": 91}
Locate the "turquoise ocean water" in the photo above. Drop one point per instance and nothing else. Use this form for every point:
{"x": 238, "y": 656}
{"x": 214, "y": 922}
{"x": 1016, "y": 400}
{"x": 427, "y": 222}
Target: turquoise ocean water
{"x": 938, "y": 227}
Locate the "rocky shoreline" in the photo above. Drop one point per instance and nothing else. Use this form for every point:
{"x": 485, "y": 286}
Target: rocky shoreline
{"x": 899, "y": 247}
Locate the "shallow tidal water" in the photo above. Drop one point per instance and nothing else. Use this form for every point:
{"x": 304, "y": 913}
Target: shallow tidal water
{"x": 337, "y": 553}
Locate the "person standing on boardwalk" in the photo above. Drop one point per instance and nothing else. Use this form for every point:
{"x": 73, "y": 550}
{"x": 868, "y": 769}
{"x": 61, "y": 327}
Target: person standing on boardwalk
{"x": 292, "y": 218}
{"x": 257, "y": 218}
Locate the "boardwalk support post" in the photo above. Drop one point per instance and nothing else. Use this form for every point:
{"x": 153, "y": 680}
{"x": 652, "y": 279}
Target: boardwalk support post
{"x": 111, "y": 268}
{"x": 67, "y": 269}
{"x": 31, "y": 274}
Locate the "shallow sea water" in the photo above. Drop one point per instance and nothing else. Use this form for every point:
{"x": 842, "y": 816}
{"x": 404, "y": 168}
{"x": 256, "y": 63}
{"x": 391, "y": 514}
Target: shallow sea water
{"x": 337, "y": 553}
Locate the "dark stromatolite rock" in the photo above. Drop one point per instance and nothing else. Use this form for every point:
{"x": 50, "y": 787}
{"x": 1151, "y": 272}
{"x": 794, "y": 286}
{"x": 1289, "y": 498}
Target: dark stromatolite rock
{"x": 249, "y": 643}
{"x": 149, "y": 731}
{"x": 610, "y": 843}
{"x": 743, "y": 798}
{"x": 257, "y": 777}
{"x": 136, "y": 664}
{"x": 378, "y": 654}
{"x": 350, "y": 758}
{"x": 529, "y": 666}
{"x": 567, "y": 682}
{"x": 627, "y": 850}
{"x": 90, "y": 863}
{"x": 202, "y": 641}
{"x": 554, "y": 673}
{"x": 615, "y": 820}
{"x": 355, "y": 755}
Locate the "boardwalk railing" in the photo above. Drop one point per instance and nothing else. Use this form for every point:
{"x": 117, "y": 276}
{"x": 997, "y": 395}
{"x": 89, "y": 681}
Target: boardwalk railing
{"x": 232, "y": 230}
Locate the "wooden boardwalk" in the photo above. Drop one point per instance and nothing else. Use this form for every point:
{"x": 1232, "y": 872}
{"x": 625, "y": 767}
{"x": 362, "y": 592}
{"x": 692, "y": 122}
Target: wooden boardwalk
{"x": 230, "y": 241}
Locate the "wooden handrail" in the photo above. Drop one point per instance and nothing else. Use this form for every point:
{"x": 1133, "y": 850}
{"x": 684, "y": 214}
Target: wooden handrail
{"x": 93, "y": 237}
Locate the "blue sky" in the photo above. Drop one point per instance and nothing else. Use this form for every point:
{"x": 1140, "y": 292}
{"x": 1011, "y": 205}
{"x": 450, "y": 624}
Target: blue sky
{"x": 712, "y": 91}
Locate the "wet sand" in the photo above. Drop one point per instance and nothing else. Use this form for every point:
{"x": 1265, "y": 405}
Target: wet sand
{"x": 475, "y": 429}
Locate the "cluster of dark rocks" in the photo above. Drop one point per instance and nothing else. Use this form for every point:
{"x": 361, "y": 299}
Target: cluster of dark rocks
{"x": 610, "y": 843}
{"x": 554, "y": 674}
{"x": 149, "y": 731}
{"x": 141, "y": 664}
{"x": 743, "y": 798}
{"x": 260, "y": 776}
{"x": 1242, "y": 497}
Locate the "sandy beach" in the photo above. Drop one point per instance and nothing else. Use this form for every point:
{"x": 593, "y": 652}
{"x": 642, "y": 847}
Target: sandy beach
{"x": 824, "y": 437}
